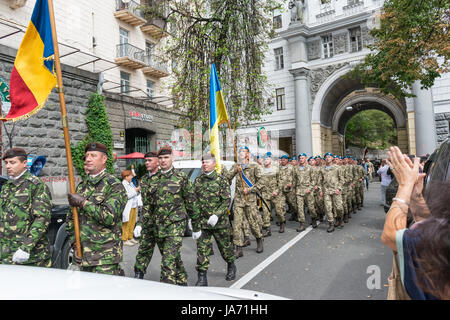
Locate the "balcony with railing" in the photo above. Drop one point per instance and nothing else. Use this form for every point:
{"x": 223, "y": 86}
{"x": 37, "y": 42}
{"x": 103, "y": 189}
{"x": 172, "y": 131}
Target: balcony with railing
{"x": 353, "y": 7}
{"x": 130, "y": 12}
{"x": 130, "y": 56}
{"x": 155, "y": 28}
{"x": 154, "y": 68}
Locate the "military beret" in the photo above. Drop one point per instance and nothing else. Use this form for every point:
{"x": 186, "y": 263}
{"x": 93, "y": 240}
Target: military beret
{"x": 328, "y": 154}
{"x": 14, "y": 152}
{"x": 151, "y": 154}
{"x": 95, "y": 146}
{"x": 284, "y": 157}
{"x": 302, "y": 155}
{"x": 268, "y": 155}
{"x": 258, "y": 156}
{"x": 208, "y": 156}
{"x": 311, "y": 158}
{"x": 164, "y": 151}
{"x": 244, "y": 147}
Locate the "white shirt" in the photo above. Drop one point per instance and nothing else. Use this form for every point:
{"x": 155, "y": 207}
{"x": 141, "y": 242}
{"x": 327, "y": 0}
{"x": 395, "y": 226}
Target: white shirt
{"x": 385, "y": 178}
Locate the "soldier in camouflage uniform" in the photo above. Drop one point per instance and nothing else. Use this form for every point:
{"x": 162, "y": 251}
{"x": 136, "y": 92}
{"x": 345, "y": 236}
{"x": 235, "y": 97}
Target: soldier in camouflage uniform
{"x": 100, "y": 199}
{"x": 245, "y": 204}
{"x": 148, "y": 237}
{"x": 285, "y": 183}
{"x": 304, "y": 192}
{"x": 213, "y": 195}
{"x": 332, "y": 181}
{"x": 25, "y": 213}
{"x": 270, "y": 192}
{"x": 361, "y": 175}
{"x": 316, "y": 182}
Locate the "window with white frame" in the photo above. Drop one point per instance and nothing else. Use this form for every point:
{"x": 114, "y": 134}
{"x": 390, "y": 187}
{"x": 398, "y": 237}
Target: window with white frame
{"x": 355, "y": 39}
{"x": 280, "y": 96}
{"x": 150, "y": 88}
{"x": 279, "y": 60}
{"x": 124, "y": 82}
{"x": 277, "y": 22}
{"x": 327, "y": 46}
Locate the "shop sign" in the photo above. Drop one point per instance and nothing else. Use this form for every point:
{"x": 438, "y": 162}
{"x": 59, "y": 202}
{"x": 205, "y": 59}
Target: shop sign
{"x": 141, "y": 116}
{"x": 119, "y": 145}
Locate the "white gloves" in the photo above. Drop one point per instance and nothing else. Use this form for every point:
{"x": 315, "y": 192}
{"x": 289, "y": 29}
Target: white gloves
{"x": 137, "y": 231}
{"x": 213, "y": 220}
{"x": 196, "y": 235}
{"x": 20, "y": 256}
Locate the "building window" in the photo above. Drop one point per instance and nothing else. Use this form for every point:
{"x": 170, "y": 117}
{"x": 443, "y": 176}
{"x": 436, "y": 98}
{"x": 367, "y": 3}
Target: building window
{"x": 355, "y": 39}
{"x": 123, "y": 40}
{"x": 327, "y": 46}
{"x": 277, "y": 22}
{"x": 148, "y": 52}
{"x": 280, "y": 99}
{"x": 150, "y": 88}
{"x": 124, "y": 82}
{"x": 279, "y": 61}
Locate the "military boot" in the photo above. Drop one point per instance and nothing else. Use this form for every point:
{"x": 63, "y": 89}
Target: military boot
{"x": 346, "y": 218}
{"x": 282, "y": 224}
{"x": 231, "y": 272}
{"x": 330, "y": 227}
{"x": 314, "y": 222}
{"x": 202, "y": 280}
{"x": 266, "y": 232}
{"x": 339, "y": 223}
{"x": 246, "y": 241}
{"x": 238, "y": 252}
{"x": 259, "y": 245}
{"x": 301, "y": 227}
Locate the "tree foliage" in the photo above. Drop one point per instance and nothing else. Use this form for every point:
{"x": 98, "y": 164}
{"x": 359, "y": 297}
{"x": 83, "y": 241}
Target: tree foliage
{"x": 99, "y": 131}
{"x": 412, "y": 44}
{"x": 372, "y": 128}
{"x": 233, "y": 34}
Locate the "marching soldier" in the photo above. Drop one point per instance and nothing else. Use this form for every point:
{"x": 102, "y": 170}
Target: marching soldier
{"x": 360, "y": 176}
{"x": 304, "y": 192}
{"x": 285, "y": 183}
{"x": 245, "y": 204}
{"x": 100, "y": 200}
{"x": 148, "y": 237}
{"x": 332, "y": 180}
{"x": 170, "y": 200}
{"x": 213, "y": 197}
{"x": 25, "y": 213}
{"x": 316, "y": 182}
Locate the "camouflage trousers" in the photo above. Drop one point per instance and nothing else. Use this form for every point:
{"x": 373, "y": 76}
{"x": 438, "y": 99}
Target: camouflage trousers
{"x": 291, "y": 199}
{"x": 319, "y": 204}
{"x": 273, "y": 202}
{"x": 251, "y": 213}
{"x": 204, "y": 245}
{"x": 307, "y": 199}
{"x": 111, "y": 269}
{"x": 172, "y": 267}
{"x": 359, "y": 193}
{"x": 333, "y": 201}
{"x": 145, "y": 251}
{"x": 345, "y": 195}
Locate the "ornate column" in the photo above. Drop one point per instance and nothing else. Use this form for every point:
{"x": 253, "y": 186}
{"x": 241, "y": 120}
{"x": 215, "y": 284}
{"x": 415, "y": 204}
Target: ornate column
{"x": 424, "y": 120}
{"x": 303, "y": 135}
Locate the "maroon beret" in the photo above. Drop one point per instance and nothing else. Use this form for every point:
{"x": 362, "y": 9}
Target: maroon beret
{"x": 14, "y": 152}
{"x": 95, "y": 146}
{"x": 164, "y": 151}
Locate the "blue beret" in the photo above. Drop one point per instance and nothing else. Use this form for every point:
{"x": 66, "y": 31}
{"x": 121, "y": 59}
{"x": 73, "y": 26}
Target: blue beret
{"x": 328, "y": 154}
{"x": 245, "y": 147}
{"x": 311, "y": 158}
{"x": 284, "y": 157}
{"x": 302, "y": 155}
{"x": 268, "y": 155}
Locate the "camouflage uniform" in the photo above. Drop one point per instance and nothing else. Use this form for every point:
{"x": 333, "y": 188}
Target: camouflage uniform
{"x": 171, "y": 200}
{"x": 332, "y": 179}
{"x": 361, "y": 174}
{"x": 316, "y": 181}
{"x": 243, "y": 208}
{"x": 302, "y": 184}
{"x": 213, "y": 197}
{"x": 25, "y": 215}
{"x": 100, "y": 222}
{"x": 269, "y": 185}
{"x": 346, "y": 188}
{"x": 285, "y": 177}
{"x": 148, "y": 237}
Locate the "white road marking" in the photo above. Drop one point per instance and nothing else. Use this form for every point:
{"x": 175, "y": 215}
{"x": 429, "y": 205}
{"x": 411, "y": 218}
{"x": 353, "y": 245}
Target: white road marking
{"x": 254, "y": 272}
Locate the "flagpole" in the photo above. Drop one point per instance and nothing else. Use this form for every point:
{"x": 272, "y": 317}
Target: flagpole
{"x": 237, "y": 158}
{"x": 65, "y": 125}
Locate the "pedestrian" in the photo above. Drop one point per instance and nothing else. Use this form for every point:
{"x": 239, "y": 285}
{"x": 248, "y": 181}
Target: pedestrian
{"x": 147, "y": 231}
{"x": 385, "y": 180}
{"x": 304, "y": 192}
{"x": 100, "y": 200}
{"x": 213, "y": 196}
{"x": 245, "y": 204}
{"x": 171, "y": 200}
{"x": 130, "y": 211}
{"x": 332, "y": 181}
{"x": 25, "y": 214}
{"x": 421, "y": 249}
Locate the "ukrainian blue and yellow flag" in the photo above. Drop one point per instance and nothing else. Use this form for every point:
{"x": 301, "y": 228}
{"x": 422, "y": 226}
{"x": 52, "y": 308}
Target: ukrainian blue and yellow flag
{"x": 217, "y": 115}
{"x": 33, "y": 77}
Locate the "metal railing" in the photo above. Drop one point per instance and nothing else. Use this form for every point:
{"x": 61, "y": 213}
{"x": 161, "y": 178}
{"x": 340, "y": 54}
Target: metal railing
{"x": 131, "y": 6}
{"x": 151, "y": 62}
{"x": 130, "y": 51}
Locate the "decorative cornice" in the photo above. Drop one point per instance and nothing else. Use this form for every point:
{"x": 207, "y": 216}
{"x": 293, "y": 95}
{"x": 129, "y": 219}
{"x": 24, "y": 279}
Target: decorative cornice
{"x": 300, "y": 72}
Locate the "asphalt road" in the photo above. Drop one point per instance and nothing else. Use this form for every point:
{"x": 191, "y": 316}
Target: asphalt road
{"x": 348, "y": 264}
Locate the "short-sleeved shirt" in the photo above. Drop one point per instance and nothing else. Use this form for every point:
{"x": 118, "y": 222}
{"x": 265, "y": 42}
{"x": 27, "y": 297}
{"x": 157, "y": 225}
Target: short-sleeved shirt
{"x": 406, "y": 240}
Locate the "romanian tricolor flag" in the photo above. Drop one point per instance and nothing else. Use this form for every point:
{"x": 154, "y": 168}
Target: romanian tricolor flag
{"x": 217, "y": 114}
{"x": 33, "y": 76}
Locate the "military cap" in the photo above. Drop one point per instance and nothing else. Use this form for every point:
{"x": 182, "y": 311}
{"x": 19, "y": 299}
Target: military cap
{"x": 164, "y": 151}
{"x": 302, "y": 155}
{"x": 151, "y": 154}
{"x": 311, "y": 158}
{"x": 284, "y": 157}
{"x": 14, "y": 152}
{"x": 268, "y": 155}
{"x": 95, "y": 146}
{"x": 244, "y": 147}
{"x": 208, "y": 156}
{"x": 328, "y": 154}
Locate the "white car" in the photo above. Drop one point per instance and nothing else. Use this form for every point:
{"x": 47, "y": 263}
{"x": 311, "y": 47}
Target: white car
{"x": 35, "y": 283}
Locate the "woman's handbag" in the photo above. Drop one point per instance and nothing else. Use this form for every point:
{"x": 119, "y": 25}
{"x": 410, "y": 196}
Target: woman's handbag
{"x": 396, "y": 289}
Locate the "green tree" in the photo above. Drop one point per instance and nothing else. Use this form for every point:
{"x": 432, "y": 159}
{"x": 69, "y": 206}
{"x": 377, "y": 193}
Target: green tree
{"x": 412, "y": 43}
{"x": 99, "y": 130}
{"x": 233, "y": 34}
{"x": 372, "y": 128}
